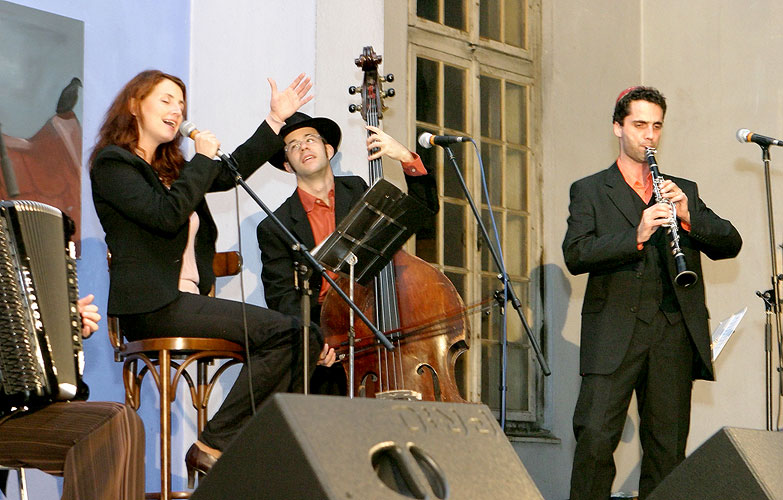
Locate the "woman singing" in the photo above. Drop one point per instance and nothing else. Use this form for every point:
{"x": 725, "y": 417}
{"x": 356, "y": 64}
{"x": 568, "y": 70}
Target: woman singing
{"x": 161, "y": 236}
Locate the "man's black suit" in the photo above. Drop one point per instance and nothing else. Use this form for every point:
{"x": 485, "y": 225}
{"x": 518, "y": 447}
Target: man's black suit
{"x": 631, "y": 306}
{"x": 278, "y": 258}
{"x": 278, "y": 272}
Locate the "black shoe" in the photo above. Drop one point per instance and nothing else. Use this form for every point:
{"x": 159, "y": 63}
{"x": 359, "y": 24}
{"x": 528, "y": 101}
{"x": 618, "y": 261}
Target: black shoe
{"x": 197, "y": 460}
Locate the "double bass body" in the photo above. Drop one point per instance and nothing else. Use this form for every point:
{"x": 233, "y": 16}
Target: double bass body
{"x": 430, "y": 338}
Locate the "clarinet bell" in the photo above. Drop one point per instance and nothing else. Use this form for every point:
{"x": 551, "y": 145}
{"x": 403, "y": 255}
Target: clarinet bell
{"x": 684, "y": 278}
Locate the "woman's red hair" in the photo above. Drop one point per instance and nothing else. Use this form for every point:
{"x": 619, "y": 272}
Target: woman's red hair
{"x": 120, "y": 127}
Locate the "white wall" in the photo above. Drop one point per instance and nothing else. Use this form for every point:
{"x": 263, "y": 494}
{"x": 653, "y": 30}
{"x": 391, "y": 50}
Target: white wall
{"x": 710, "y": 60}
{"x": 721, "y": 81}
{"x": 278, "y": 40}
{"x": 229, "y": 95}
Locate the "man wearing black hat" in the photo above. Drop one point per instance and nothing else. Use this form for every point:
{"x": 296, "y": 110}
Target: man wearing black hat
{"x": 312, "y": 212}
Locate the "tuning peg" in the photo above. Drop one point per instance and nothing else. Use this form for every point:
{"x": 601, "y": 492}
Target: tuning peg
{"x": 388, "y": 78}
{"x": 352, "y": 89}
{"x": 389, "y": 93}
{"x": 353, "y": 108}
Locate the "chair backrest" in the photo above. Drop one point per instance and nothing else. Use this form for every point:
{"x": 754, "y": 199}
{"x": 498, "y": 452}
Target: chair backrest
{"x": 227, "y": 263}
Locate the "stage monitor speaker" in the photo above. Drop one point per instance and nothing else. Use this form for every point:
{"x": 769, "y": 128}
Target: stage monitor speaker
{"x": 331, "y": 447}
{"x": 733, "y": 464}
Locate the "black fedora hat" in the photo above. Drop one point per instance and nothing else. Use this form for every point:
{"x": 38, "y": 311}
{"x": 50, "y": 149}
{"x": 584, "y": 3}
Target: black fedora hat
{"x": 328, "y": 129}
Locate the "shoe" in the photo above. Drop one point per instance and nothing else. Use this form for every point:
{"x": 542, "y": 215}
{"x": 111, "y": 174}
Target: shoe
{"x": 197, "y": 460}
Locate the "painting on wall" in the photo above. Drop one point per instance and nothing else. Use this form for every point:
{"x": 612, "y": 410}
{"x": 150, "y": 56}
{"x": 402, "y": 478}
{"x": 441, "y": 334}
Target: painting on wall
{"x": 41, "y": 75}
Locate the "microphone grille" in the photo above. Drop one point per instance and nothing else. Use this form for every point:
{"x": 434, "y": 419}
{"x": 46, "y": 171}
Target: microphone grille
{"x": 424, "y": 140}
{"x": 186, "y": 128}
{"x": 743, "y": 135}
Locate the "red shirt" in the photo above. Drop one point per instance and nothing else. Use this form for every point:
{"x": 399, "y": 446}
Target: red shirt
{"x": 321, "y": 217}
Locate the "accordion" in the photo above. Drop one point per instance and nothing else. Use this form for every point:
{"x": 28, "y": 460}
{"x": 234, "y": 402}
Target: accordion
{"x": 41, "y": 357}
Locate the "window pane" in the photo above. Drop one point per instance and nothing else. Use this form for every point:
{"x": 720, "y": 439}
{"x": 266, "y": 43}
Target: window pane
{"x": 489, "y": 19}
{"x": 516, "y": 180}
{"x": 516, "y": 331}
{"x": 427, "y": 9}
{"x": 487, "y": 262}
{"x": 454, "y": 13}
{"x": 454, "y": 94}
{"x": 516, "y": 376}
{"x": 451, "y": 184}
{"x": 514, "y": 15}
{"x": 492, "y": 155}
{"x": 458, "y": 280}
{"x": 453, "y": 235}
{"x": 490, "y": 374}
{"x": 491, "y": 323}
{"x": 427, "y": 235}
{"x": 516, "y": 113}
{"x": 516, "y": 245}
{"x": 427, "y": 91}
{"x": 490, "y": 107}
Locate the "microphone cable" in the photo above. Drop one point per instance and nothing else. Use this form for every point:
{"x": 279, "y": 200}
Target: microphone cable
{"x": 242, "y": 295}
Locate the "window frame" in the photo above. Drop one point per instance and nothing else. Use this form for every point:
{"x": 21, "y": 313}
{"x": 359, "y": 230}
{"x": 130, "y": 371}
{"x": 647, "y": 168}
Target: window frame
{"x": 480, "y": 56}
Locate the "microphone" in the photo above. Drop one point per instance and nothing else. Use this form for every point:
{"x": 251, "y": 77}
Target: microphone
{"x": 745, "y": 135}
{"x": 187, "y": 129}
{"x": 427, "y": 140}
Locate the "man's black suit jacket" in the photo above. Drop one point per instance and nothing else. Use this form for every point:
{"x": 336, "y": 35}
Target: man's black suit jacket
{"x": 277, "y": 256}
{"x": 601, "y": 241}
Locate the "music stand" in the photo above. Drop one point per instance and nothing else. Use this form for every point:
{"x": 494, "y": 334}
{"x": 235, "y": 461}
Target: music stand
{"x": 368, "y": 237}
{"x": 375, "y": 228}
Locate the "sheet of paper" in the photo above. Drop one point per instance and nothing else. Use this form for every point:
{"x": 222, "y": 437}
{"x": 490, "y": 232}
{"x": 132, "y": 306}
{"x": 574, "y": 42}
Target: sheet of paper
{"x": 723, "y": 332}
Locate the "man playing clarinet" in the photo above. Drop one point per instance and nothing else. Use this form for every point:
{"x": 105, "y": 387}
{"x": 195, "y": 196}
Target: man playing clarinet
{"x": 641, "y": 331}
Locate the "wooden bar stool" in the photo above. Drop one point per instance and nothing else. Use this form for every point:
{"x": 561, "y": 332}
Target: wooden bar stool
{"x": 159, "y": 356}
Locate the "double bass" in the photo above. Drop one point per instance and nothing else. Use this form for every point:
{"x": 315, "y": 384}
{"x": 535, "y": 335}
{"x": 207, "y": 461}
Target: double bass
{"x": 413, "y": 303}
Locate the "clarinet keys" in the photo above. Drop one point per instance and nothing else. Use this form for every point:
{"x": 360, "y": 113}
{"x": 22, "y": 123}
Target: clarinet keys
{"x": 684, "y": 277}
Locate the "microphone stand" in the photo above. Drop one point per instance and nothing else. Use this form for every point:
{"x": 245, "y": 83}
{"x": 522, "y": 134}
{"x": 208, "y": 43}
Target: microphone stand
{"x": 302, "y": 284}
{"x": 508, "y": 294}
{"x": 772, "y": 306}
{"x": 312, "y": 263}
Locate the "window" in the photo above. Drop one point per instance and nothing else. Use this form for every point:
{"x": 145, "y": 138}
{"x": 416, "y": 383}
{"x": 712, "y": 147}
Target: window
{"x": 475, "y": 76}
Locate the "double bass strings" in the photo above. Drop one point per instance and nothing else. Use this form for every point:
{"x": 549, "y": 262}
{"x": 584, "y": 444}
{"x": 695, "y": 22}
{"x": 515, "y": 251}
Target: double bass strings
{"x": 429, "y": 328}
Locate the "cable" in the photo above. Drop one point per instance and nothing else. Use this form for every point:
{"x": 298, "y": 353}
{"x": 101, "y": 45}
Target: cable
{"x": 244, "y": 304}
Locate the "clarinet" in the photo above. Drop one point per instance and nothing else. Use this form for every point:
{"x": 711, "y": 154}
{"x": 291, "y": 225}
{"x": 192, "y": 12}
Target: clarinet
{"x": 684, "y": 278}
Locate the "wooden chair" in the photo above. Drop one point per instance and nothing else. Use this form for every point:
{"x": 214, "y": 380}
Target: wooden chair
{"x": 160, "y": 356}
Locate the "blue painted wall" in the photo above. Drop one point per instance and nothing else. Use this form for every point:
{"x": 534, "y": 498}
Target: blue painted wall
{"x": 120, "y": 39}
